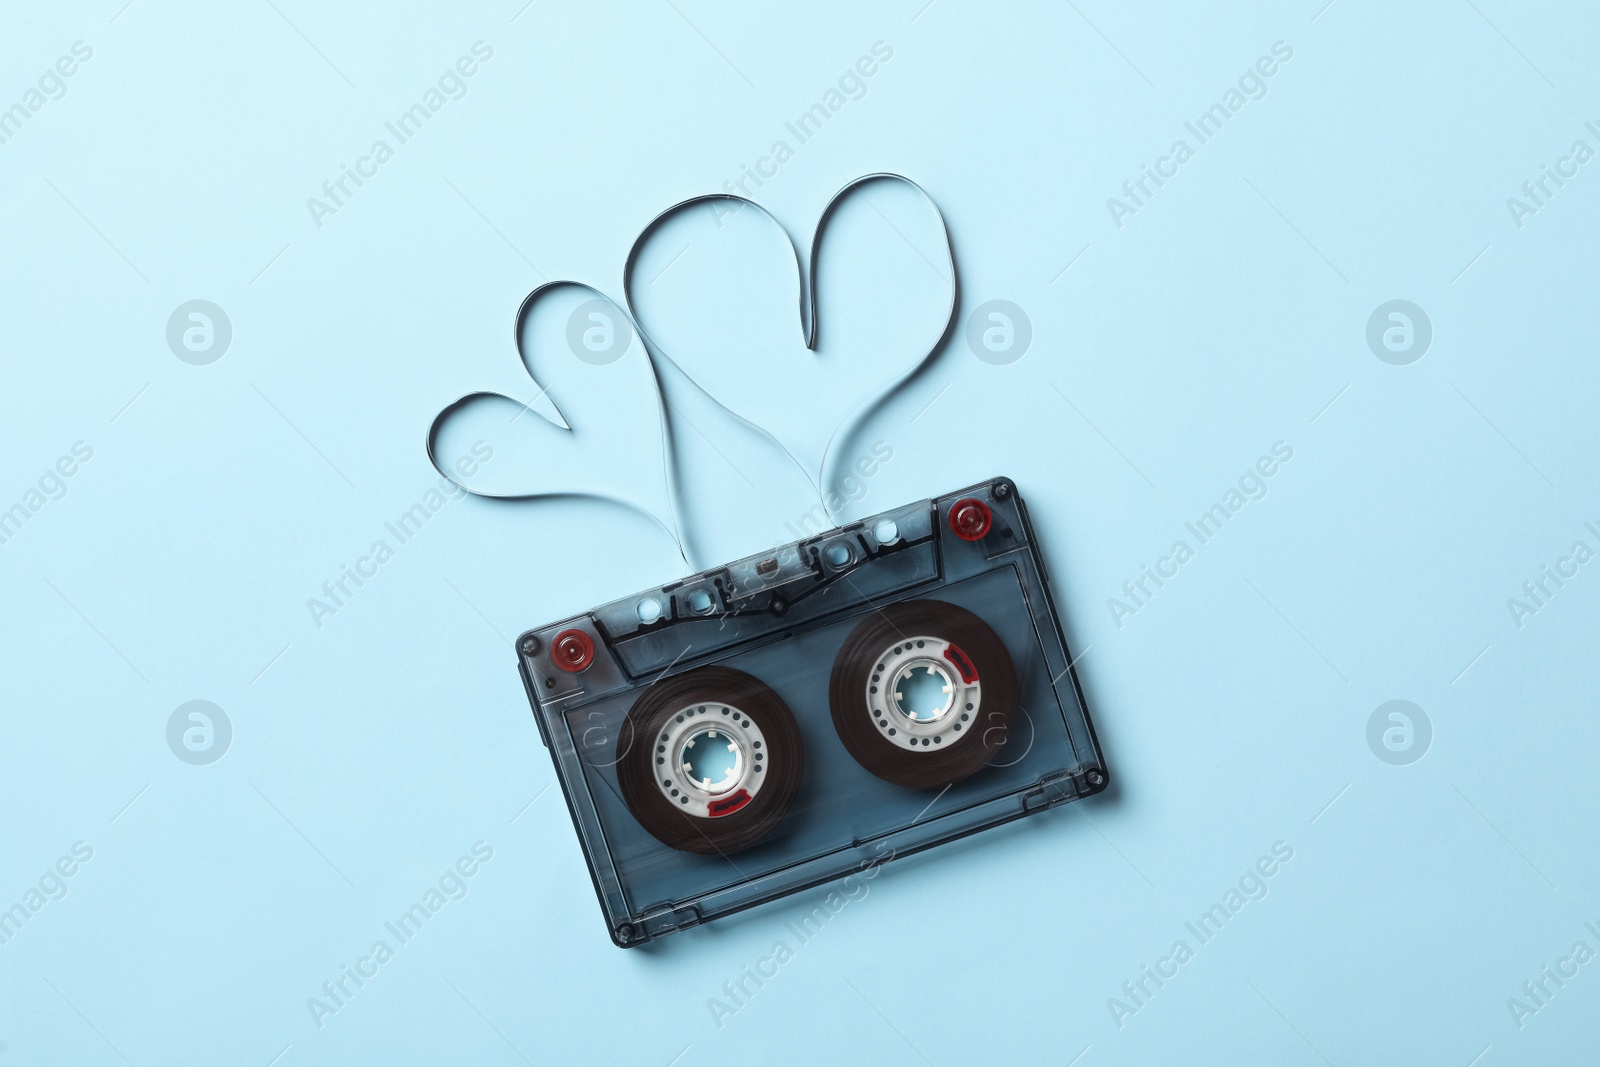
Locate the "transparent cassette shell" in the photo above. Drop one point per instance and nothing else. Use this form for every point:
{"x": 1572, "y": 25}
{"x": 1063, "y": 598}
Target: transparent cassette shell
{"x": 782, "y": 617}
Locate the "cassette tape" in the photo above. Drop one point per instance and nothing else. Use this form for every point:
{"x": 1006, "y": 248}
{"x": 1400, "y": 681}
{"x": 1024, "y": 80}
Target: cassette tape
{"x": 766, "y": 726}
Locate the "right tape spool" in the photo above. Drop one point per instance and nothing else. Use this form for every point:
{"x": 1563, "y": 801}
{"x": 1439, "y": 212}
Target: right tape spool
{"x": 923, "y": 693}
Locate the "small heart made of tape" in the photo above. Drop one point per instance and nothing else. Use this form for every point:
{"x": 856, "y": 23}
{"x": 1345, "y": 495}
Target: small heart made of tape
{"x": 593, "y": 425}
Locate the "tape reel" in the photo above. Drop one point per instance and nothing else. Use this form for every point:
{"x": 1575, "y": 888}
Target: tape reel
{"x": 711, "y": 762}
{"x": 922, "y": 694}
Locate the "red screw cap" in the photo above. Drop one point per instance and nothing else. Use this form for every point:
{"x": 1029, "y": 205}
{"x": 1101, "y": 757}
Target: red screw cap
{"x": 572, "y": 651}
{"x": 971, "y": 519}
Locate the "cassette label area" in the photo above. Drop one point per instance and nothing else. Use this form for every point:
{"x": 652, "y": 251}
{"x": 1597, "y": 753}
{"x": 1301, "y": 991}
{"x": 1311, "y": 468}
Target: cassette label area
{"x": 775, "y": 723}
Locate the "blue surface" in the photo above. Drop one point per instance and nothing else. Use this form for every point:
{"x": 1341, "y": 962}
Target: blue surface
{"x": 373, "y": 752}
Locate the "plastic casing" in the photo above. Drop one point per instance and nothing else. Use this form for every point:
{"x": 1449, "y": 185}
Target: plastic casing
{"x": 782, "y": 616}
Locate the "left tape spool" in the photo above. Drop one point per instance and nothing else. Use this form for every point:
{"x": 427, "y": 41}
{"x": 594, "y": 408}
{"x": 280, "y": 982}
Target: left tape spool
{"x": 711, "y": 762}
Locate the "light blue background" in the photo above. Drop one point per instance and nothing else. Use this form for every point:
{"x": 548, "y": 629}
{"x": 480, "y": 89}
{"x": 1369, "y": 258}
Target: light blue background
{"x": 1229, "y": 313}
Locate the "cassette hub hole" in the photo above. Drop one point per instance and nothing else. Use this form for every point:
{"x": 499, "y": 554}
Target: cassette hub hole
{"x": 923, "y": 691}
{"x": 713, "y": 760}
